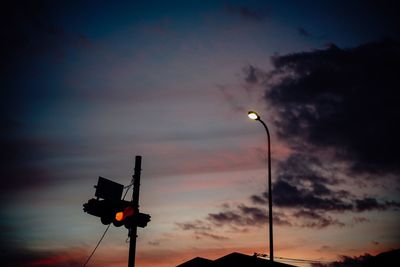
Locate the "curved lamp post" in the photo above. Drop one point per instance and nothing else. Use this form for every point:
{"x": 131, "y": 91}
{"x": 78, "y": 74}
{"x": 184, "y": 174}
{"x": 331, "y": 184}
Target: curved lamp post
{"x": 254, "y": 116}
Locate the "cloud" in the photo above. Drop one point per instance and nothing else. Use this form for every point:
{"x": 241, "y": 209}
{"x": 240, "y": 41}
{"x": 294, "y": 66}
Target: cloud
{"x": 259, "y": 199}
{"x": 247, "y": 13}
{"x": 303, "y": 182}
{"x": 314, "y": 219}
{"x": 243, "y": 216}
{"x": 358, "y": 219}
{"x": 341, "y": 99}
{"x": 32, "y": 30}
{"x": 200, "y": 235}
{"x": 305, "y": 194}
{"x": 15, "y": 253}
{"x": 155, "y": 243}
{"x": 197, "y": 225}
{"x": 18, "y": 155}
{"x": 382, "y": 259}
{"x": 303, "y": 32}
{"x": 201, "y": 229}
{"x": 369, "y": 203}
{"x": 337, "y": 109}
{"x": 251, "y": 73}
{"x": 233, "y": 220}
{"x": 288, "y": 195}
{"x": 307, "y": 34}
{"x": 231, "y": 99}
{"x": 311, "y": 194}
{"x": 32, "y": 36}
{"x": 23, "y": 257}
{"x": 338, "y": 105}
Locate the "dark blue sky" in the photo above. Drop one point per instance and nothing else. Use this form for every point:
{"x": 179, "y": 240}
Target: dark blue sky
{"x": 87, "y": 86}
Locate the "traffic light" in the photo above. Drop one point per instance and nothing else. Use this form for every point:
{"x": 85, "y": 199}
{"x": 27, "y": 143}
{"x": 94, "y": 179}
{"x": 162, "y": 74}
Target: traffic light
{"x": 122, "y": 212}
{"x": 139, "y": 219}
{"x": 117, "y": 212}
{"x": 142, "y": 219}
{"x": 105, "y": 209}
{"x": 127, "y": 216}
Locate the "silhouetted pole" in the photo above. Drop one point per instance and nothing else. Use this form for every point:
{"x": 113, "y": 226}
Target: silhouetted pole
{"x": 135, "y": 202}
{"x": 254, "y": 116}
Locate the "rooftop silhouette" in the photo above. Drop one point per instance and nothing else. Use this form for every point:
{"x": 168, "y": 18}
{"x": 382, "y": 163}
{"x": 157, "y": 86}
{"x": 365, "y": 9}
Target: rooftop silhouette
{"x": 234, "y": 259}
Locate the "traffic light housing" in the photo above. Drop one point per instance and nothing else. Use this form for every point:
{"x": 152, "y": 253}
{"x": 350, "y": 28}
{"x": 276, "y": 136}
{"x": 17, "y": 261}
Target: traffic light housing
{"x": 100, "y": 208}
{"x": 119, "y": 213}
{"x": 138, "y": 219}
{"x": 127, "y": 216}
{"x": 142, "y": 219}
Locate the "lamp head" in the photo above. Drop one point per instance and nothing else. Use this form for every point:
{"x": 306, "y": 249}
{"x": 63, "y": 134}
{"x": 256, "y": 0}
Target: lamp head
{"x": 253, "y": 115}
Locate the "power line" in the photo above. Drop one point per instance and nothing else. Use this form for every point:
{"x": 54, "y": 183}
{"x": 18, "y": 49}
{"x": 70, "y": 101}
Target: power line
{"x": 98, "y": 243}
{"x": 295, "y": 259}
{"x": 302, "y": 261}
{"x": 127, "y": 187}
{"x": 101, "y": 239}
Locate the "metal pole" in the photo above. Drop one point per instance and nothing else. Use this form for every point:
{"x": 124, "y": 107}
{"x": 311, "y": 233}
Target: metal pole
{"x": 271, "y": 241}
{"x": 135, "y": 203}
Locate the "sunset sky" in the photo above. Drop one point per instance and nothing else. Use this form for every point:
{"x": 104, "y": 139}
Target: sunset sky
{"x": 85, "y": 87}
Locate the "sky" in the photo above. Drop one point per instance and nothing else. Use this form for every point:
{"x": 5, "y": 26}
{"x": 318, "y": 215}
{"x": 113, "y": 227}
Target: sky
{"x": 85, "y": 87}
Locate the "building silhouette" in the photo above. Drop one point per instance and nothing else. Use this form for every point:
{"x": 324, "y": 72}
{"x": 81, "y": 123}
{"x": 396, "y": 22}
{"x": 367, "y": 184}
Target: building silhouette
{"x": 233, "y": 260}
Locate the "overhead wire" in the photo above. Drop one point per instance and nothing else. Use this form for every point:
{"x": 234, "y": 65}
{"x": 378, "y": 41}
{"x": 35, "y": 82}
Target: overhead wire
{"x": 128, "y": 186}
{"x": 296, "y": 259}
{"x": 98, "y": 243}
{"x": 101, "y": 239}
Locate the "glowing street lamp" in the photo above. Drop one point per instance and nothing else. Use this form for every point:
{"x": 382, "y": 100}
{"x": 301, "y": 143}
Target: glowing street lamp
{"x": 254, "y": 116}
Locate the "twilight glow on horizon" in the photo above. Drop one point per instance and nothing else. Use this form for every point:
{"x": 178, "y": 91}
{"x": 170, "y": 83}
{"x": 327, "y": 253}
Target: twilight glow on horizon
{"x": 87, "y": 86}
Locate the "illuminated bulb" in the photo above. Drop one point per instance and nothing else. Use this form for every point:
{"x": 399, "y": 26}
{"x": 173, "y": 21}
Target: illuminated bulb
{"x": 119, "y": 216}
{"x": 253, "y": 115}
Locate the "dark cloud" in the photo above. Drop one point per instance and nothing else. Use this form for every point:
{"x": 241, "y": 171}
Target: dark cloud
{"x": 358, "y": 219}
{"x": 383, "y": 259}
{"x": 197, "y": 225}
{"x": 251, "y": 73}
{"x": 33, "y": 41}
{"x": 303, "y": 168}
{"x": 248, "y": 13}
{"x": 311, "y": 194}
{"x": 376, "y": 243}
{"x": 312, "y": 219}
{"x": 369, "y": 203}
{"x": 303, "y": 32}
{"x": 232, "y": 219}
{"x": 307, "y": 34}
{"x": 200, "y": 235}
{"x": 341, "y": 106}
{"x": 259, "y": 199}
{"x": 32, "y": 27}
{"x": 303, "y": 183}
{"x": 22, "y": 257}
{"x": 245, "y": 216}
{"x": 226, "y": 217}
{"x": 27, "y": 160}
{"x": 288, "y": 195}
{"x": 341, "y": 99}
{"x": 254, "y": 215}
{"x": 154, "y": 243}
{"x": 201, "y": 229}
{"x": 18, "y": 155}
{"x": 231, "y": 99}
